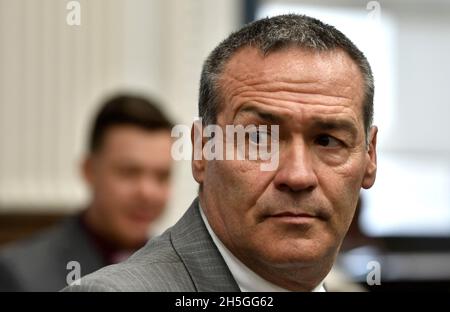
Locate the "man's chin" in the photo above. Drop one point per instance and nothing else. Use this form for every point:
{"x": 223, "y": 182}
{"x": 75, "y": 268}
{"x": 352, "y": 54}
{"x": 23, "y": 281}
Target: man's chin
{"x": 133, "y": 236}
{"x": 298, "y": 253}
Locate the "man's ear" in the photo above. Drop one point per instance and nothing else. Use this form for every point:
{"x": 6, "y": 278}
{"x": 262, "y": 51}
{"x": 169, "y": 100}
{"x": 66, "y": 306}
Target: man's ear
{"x": 87, "y": 170}
{"x": 371, "y": 154}
{"x": 198, "y": 162}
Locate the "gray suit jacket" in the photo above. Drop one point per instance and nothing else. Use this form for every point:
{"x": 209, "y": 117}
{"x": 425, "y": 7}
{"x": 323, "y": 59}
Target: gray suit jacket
{"x": 184, "y": 258}
{"x": 40, "y": 263}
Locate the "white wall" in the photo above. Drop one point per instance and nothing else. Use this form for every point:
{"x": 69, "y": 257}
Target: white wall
{"x": 423, "y": 81}
{"x": 51, "y": 74}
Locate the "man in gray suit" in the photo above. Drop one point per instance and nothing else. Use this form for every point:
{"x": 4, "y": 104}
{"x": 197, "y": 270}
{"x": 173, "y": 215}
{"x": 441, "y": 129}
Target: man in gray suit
{"x": 127, "y": 170}
{"x": 260, "y": 224}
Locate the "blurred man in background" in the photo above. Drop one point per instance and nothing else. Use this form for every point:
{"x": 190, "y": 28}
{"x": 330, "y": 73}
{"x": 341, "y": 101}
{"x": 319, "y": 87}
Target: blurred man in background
{"x": 127, "y": 170}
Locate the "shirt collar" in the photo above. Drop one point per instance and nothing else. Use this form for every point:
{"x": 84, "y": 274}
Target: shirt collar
{"x": 247, "y": 280}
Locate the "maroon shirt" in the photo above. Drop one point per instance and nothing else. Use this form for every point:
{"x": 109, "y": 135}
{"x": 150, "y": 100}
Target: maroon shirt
{"x": 107, "y": 248}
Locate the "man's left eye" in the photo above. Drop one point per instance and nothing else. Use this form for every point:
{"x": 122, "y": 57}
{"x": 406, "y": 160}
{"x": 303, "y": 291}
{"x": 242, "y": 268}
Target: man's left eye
{"x": 328, "y": 141}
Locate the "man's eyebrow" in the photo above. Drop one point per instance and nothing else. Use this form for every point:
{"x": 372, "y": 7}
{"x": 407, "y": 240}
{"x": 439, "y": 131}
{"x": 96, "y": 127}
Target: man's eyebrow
{"x": 262, "y": 114}
{"x": 318, "y": 122}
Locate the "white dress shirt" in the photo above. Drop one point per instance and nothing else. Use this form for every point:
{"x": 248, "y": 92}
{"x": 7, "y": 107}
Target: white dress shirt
{"x": 247, "y": 280}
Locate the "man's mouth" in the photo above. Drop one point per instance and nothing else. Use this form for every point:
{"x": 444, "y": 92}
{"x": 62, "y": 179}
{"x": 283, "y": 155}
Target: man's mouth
{"x": 293, "y": 214}
{"x": 293, "y": 217}
{"x": 141, "y": 216}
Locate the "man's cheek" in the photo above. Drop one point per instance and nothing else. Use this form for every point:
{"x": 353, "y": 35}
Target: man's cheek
{"x": 344, "y": 209}
{"x": 249, "y": 181}
{"x": 230, "y": 174}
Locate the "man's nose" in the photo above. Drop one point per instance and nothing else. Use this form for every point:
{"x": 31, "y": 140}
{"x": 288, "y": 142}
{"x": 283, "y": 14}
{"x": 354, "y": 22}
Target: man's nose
{"x": 149, "y": 189}
{"x": 296, "y": 171}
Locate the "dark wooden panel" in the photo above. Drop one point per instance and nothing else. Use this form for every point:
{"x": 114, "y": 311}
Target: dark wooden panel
{"x": 14, "y": 226}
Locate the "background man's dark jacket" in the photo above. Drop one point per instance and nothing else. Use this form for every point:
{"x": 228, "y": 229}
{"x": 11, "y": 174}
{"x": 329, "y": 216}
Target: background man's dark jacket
{"x": 40, "y": 263}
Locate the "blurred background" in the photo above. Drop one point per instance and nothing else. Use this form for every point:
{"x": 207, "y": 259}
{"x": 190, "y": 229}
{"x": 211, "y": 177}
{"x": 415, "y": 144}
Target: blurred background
{"x": 53, "y": 76}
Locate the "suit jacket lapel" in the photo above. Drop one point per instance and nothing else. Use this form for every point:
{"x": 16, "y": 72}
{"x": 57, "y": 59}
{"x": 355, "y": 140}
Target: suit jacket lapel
{"x": 200, "y": 255}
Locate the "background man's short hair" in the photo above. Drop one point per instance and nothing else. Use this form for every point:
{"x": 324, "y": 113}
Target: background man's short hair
{"x": 271, "y": 34}
{"x": 131, "y": 110}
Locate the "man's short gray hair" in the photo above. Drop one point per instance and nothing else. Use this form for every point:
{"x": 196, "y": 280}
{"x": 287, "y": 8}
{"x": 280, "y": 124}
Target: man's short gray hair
{"x": 271, "y": 34}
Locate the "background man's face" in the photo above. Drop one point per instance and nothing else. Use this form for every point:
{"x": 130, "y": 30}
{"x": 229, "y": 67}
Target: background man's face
{"x": 129, "y": 179}
{"x": 297, "y": 215}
